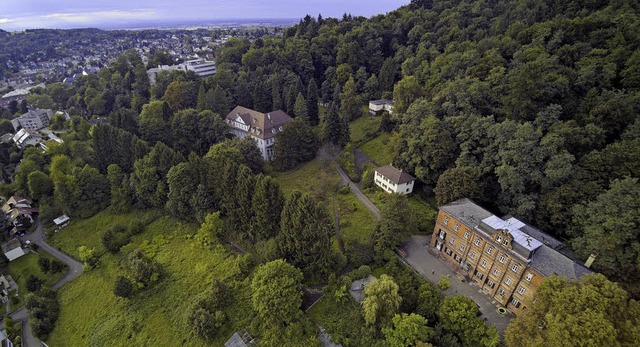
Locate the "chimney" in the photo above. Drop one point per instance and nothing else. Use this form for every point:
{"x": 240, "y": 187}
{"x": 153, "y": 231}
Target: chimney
{"x": 591, "y": 259}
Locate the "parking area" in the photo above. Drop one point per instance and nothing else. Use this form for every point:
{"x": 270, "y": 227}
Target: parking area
{"x": 432, "y": 268}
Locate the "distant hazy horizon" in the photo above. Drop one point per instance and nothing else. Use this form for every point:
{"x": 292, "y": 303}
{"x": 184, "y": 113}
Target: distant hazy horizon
{"x": 18, "y": 15}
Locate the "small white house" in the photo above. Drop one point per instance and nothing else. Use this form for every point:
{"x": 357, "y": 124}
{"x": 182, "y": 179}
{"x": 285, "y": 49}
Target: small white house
{"x": 61, "y": 222}
{"x": 13, "y": 249}
{"x": 380, "y": 105}
{"x": 393, "y": 180}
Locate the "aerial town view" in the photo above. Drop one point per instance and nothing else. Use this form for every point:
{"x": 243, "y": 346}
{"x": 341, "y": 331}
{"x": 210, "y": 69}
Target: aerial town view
{"x": 448, "y": 173}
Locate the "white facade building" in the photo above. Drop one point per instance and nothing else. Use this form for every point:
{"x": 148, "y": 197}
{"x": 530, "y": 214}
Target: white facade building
{"x": 393, "y": 180}
{"x": 201, "y": 67}
{"x": 379, "y": 105}
{"x": 24, "y": 138}
{"x": 260, "y": 126}
{"x": 33, "y": 120}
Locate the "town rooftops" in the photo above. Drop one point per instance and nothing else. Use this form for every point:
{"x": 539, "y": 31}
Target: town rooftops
{"x": 394, "y": 175}
{"x": 466, "y": 211}
{"x": 10, "y": 245}
{"x": 260, "y": 125}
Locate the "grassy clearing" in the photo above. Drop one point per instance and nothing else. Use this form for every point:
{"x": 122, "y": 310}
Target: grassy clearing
{"x": 423, "y": 210}
{"x": 87, "y": 232}
{"x": 378, "y": 149}
{"x": 91, "y": 315}
{"x": 26, "y": 265}
{"x": 363, "y": 129}
{"x": 356, "y": 222}
{"x": 318, "y": 177}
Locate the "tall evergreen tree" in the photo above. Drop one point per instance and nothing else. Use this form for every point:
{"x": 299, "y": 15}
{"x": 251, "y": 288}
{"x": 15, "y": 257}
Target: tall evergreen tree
{"x": 300, "y": 108}
{"x": 312, "y": 103}
{"x": 305, "y": 235}
{"x": 336, "y": 129}
{"x": 267, "y": 203}
{"x": 350, "y": 106}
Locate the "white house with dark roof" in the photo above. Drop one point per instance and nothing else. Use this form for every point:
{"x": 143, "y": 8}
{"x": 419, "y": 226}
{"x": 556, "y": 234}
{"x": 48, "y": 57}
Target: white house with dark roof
{"x": 393, "y": 180}
{"x": 262, "y": 127}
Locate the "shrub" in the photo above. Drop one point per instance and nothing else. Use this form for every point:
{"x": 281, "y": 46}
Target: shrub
{"x": 123, "y": 287}
{"x": 44, "y": 264}
{"x": 34, "y": 283}
{"x": 115, "y": 238}
{"x": 444, "y": 283}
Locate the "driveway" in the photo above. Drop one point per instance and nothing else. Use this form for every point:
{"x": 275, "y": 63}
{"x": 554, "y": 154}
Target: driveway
{"x": 432, "y": 268}
{"x": 75, "y": 270}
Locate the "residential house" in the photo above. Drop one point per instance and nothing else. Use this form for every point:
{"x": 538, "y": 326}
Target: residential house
{"x": 261, "y": 127}
{"x": 19, "y": 213}
{"x": 25, "y": 138}
{"x": 380, "y": 105}
{"x": 506, "y": 257}
{"x": 12, "y": 249}
{"x": 33, "y": 120}
{"x": 393, "y": 180}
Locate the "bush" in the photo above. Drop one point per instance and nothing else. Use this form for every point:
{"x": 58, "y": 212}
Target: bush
{"x": 34, "y": 283}
{"x": 56, "y": 266}
{"x": 115, "y": 238}
{"x": 44, "y": 264}
{"x": 444, "y": 283}
{"x": 44, "y": 309}
{"x": 123, "y": 287}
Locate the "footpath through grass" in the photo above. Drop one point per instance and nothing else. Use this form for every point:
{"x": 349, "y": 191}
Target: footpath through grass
{"x": 318, "y": 177}
{"x": 91, "y": 315}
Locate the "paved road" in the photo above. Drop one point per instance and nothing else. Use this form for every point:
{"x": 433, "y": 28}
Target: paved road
{"x": 75, "y": 270}
{"x": 354, "y": 188}
{"x": 432, "y": 268}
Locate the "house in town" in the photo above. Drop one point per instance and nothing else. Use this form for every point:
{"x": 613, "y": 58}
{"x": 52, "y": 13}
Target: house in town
{"x": 13, "y": 249}
{"x": 261, "y": 127}
{"x": 380, "y": 105}
{"x": 505, "y": 256}
{"x": 33, "y": 120}
{"x": 25, "y": 138}
{"x": 392, "y": 180}
{"x": 19, "y": 212}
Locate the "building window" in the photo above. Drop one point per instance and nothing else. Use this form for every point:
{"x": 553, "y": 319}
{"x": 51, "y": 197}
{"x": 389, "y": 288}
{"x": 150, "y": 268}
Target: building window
{"x": 472, "y": 255}
{"x": 515, "y": 268}
{"x": 479, "y": 274}
{"x": 452, "y": 240}
{"x": 490, "y": 283}
{"x": 496, "y": 272}
{"x": 489, "y": 250}
{"x": 521, "y": 290}
{"x": 477, "y": 242}
{"x": 448, "y": 251}
{"x": 466, "y": 234}
{"x": 484, "y": 263}
{"x": 442, "y": 234}
{"x": 456, "y": 227}
{"x": 501, "y": 259}
{"x": 446, "y": 220}
{"x": 458, "y": 258}
{"x": 501, "y": 292}
{"x": 507, "y": 281}
{"x": 498, "y": 238}
{"x": 529, "y": 277}
{"x": 505, "y": 242}
{"x": 515, "y": 303}
{"x": 462, "y": 248}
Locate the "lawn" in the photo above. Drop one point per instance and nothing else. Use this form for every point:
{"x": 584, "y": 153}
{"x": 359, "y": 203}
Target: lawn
{"x": 378, "y": 149}
{"x": 422, "y": 209}
{"x": 87, "y": 232}
{"x": 91, "y": 315}
{"x": 26, "y": 265}
{"x": 364, "y": 129}
{"x": 356, "y": 222}
{"x": 318, "y": 177}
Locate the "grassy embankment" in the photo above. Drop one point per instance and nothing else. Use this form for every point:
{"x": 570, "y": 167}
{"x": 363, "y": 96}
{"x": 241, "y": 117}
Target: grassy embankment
{"x": 91, "y": 315}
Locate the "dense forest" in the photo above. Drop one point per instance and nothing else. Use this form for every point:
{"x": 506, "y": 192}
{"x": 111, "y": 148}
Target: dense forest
{"x": 528, "y": 107}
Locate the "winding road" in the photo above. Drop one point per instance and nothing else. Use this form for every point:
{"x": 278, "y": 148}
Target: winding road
{"x": 75, "y": 270}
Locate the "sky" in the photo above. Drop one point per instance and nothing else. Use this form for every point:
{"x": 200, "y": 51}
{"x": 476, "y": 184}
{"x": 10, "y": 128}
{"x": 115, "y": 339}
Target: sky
{"x": 23, "y": 14}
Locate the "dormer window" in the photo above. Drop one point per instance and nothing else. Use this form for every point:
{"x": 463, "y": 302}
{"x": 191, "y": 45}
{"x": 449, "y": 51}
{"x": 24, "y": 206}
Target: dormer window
{"x": 505, "y": 242}
{"x": 498, "y": 238}
{"x": 273, "y": 131}
{"x": 280, "y": 128}
{"x": 255, "y": 120}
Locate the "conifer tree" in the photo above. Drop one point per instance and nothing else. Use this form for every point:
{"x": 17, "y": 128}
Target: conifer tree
{"x": 300, "y": 108}
{"x": 267, "y": 203}
{"x": 312, "y": 103}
